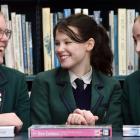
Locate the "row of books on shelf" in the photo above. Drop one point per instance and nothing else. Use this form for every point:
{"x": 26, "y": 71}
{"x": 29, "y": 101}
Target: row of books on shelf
{"x": 78, "y": 131}
{"x": 19, "y": 52}
{"x": 121, "y": 40}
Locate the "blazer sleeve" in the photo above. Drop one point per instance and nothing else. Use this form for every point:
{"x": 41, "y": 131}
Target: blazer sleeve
{"x": 22, "y": 102}
{"x": 40, "y": 113}
{"x": 125, "y": 104}
{"x": 114, "y": 110}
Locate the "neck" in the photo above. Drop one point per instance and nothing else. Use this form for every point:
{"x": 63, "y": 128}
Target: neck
{"x": 81, "y": 71}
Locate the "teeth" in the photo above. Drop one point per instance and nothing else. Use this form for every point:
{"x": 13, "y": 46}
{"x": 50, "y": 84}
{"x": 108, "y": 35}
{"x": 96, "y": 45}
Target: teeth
{"x": 64, "y": 57}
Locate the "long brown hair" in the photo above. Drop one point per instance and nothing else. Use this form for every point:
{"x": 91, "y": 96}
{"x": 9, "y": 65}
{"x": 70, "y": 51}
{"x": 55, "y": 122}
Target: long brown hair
{"x": 101, "y": 55}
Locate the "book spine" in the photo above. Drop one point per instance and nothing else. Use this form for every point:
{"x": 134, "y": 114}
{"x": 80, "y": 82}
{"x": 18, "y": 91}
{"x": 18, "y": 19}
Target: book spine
{"x": 46, "y": 20}
{"x": 14, "y": 38}
{"x": 67, "y": 12}
{"x": 81, "y": 132}
{"x": 30, "y": 48}
{"x": 52, "y": 42}
{"x": 24, "y": 42}
{"x": 116, "y": 65}
{"x": 131, "y": 131}
{"x": 19, "y": 43}
{"x": 56, "y": 61}
{"x": 5, "y": 10}
{"x": 130, "y": 42}
{"x": 122, "y": 40}
{"x": 6, "y": 132}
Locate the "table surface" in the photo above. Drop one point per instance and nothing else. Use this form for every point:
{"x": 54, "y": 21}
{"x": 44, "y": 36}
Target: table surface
{"x": 116, "y": 136}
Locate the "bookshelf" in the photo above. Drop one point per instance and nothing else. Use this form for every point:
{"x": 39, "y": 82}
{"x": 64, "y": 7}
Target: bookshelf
{"x": 33, "y": 11}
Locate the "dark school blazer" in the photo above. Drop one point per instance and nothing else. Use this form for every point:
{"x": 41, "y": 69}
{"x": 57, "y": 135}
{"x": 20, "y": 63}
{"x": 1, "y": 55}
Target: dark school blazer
{"x": 52, "y": 98}
{"x": 131, "y": 99}
{"x": 14, "y": 94}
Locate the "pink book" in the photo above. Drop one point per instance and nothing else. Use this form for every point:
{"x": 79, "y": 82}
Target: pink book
{"x": 44, "y": 131}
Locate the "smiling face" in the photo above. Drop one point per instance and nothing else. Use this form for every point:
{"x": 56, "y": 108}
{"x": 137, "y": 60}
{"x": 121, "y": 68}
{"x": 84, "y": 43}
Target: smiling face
{"x": 136, "y": 35}
{"x": 73, "y": 55}
{"x": 4, "y": 39}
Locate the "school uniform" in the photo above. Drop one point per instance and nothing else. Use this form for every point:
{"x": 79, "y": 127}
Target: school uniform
{"x": 52, "y": 98}
{"x": 131, "y": 99}
{"x": 14, "y": 95}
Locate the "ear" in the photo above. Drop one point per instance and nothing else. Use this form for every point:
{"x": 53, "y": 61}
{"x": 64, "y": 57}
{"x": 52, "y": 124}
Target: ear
{"x": 90, "y": 44}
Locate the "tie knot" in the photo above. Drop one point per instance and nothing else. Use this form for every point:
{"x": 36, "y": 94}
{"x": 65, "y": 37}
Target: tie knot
{"x": 79, "y": 83}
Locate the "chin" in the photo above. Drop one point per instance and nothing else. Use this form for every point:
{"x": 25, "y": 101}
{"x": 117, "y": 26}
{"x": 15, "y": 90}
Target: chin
{"x": 65, "y": 66}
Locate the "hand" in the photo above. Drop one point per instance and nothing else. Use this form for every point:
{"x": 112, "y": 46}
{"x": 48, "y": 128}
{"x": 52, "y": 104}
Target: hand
{"x": 11, "y": 119}
{"x": 74, "y": 119}
{"x": 89, "y": 117}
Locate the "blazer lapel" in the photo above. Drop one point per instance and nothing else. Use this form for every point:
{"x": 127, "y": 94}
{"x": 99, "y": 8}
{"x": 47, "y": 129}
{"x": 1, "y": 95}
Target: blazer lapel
{"x": 96, "y": 94}
{"x": 66, "y": 93}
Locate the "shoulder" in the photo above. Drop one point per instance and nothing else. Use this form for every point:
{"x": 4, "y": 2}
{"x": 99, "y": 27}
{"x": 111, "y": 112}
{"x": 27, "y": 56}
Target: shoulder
{"x": 108, "y": 82}
{"x": 10, "y": 72}
{"x": 107, "y": 79}
{"x": 132, "y": 80}
{"x": 47, "y": 75}
{"x": 134, "y": 76}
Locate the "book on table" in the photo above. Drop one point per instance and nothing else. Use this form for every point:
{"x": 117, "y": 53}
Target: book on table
{"x": 7, "y": 131}
{"x": 131, "y": 130}
{"x": 44, "y": 131}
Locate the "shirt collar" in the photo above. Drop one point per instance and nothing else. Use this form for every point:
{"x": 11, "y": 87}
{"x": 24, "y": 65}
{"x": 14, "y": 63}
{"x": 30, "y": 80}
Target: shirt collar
{"x": 86, "y": 78}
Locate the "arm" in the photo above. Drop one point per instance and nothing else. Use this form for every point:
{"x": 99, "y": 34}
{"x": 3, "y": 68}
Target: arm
{"x": 40, "y": 113}
{"x": 114, "y": 111}
{"x": 22, "y": 104}
{"x": 125, "y": 104}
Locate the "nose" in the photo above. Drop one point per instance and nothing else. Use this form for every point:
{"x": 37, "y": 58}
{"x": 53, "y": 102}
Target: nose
{"x": 60, "y": 48}
{"x": 138, "y": 47}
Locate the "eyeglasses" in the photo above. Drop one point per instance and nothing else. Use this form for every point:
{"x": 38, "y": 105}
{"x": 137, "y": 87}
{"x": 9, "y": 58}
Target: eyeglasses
{"x": 7, "y": 32}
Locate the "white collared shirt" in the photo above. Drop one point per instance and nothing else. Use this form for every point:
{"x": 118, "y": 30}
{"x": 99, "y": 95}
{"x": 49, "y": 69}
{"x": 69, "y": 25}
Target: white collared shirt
{"x": 86, "y": 78}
